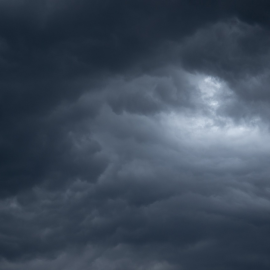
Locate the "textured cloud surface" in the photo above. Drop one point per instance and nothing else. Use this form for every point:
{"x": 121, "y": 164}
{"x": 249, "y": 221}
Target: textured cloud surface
{"x": 134, "y": 135}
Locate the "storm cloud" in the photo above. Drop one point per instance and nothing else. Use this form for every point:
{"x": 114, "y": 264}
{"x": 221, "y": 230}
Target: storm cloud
{"x": 134, "y": 135}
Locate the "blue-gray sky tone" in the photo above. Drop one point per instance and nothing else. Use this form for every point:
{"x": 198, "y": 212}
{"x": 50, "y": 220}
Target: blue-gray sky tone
{"x": 134, "y": 135}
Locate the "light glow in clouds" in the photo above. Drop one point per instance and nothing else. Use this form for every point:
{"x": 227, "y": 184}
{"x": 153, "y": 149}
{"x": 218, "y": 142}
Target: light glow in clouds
{"x": 208, "y": 127}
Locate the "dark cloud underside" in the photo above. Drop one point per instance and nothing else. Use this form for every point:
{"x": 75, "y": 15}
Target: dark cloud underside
{"x": 134, "y": 135}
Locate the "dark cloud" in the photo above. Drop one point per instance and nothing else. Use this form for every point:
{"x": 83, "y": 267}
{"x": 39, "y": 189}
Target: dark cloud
{"x": 134, "y": 135}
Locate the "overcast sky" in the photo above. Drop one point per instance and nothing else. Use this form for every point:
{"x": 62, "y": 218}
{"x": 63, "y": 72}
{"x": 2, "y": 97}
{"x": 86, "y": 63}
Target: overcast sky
{"x": 134, "y": 135}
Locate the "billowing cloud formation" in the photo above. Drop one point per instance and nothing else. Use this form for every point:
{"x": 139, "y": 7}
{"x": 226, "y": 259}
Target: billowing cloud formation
{"x": 134, "y": 135}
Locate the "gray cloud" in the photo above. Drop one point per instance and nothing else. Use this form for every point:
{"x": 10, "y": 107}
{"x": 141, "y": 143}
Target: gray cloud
{"x": 134, "y": 135}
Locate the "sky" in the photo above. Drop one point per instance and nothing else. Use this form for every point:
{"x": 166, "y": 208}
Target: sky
{"x": 134, "y": 134}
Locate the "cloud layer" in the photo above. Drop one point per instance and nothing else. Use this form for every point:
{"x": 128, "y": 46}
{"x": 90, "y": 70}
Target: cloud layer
{"x": 134, "y": 135}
